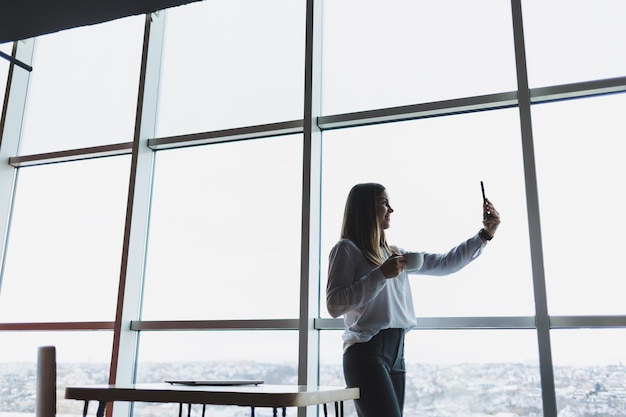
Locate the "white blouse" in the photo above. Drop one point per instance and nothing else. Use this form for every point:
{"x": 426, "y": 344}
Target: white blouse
{"x": 369, "y": 302}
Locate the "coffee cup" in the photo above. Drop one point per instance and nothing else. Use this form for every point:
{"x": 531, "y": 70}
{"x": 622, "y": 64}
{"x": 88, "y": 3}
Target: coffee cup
{"x": 414, "y": 260}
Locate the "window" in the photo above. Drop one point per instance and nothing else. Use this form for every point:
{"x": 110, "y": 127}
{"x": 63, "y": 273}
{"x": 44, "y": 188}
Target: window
{"x": 418, "y": 96}
{"x": 83, "y": 88}
{"x": 224, "y": 238}
{"x": 589, "y": 370}
{"x": 269, "y": 356}
{"x": 383, "y": 54}
{"x": 432, "y": 170}
{"x": 581, "y": 148}
{"x": 63, "y": 256}
{"x": 82, "y": 357}
{"x": 231, "y": 63}
{"x": 572, "y": 41}
{"x": 459, "y": 372}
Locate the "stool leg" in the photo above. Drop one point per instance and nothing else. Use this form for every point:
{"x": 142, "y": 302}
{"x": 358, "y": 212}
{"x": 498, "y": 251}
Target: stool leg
{"x": 101, "y": 407}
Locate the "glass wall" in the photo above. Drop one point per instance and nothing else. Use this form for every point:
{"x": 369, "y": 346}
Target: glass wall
{"x": 166, "y": 213}
{"x": 82, "y": 358}
{"x": 589, "y": 371}
{"x": 432, "y": 171}
{"x": 224, "y": 230}
{"x": 83, "y": 88}
{"x": 63, "y": 252}
{"x": 243, "y": 65}
{"x": 573, "y": 41}
{"x": 586, "y": 140}
{"x": 384, "y": 54}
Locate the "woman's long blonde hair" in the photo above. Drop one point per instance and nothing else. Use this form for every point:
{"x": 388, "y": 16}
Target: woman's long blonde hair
{"x": 361, "y": 225}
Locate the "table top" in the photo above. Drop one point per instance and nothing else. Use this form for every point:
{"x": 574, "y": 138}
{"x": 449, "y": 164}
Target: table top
{"x": 262, "y": 395}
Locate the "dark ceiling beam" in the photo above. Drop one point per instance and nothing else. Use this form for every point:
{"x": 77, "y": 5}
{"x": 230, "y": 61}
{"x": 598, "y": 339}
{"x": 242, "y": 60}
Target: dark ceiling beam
{"x": 23, "y": 19}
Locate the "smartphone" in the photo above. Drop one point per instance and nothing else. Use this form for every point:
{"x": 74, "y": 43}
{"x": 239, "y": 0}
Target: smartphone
{"x": 486, "y": 213}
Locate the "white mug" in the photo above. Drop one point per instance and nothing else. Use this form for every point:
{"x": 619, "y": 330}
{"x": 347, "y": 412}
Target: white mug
{"x": 414, "y": 260}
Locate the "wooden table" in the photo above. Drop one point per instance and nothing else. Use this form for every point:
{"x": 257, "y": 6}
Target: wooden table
{"x": 263, "y": 395}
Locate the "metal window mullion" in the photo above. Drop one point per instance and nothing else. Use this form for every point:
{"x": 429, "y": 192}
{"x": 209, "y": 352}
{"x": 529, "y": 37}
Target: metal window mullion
{"x": 534, "y": 225}
{"x": 215, "y": 325}
{"x": 125, "y": 340}
{"x": 419, "y": 111}
{"x": 578, "y": 90}
{"x": 10, "y": 133}
{"x": 423, "y": 323}
{"x": 270, "y": 130}
{"x": 308, "y": 336}
{"x": 70, "y": 155}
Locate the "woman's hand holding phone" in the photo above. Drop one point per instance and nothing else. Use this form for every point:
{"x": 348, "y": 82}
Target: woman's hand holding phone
{"x": 491, "y": 217}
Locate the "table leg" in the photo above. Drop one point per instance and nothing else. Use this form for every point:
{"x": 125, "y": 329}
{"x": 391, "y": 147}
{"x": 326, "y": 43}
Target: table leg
{"x": 85, "y": 408}
{"x": 325, "y": 410}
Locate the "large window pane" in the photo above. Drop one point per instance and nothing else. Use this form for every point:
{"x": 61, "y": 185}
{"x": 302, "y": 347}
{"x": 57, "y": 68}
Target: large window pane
{"x": 470, "y": 373}
{"x": 231, "y": 63}
{"x": 82, "y": 358}
{"x": 581, "y": 169}
{"x": 225, "y": 232}
{"x": 590, "y": 372}
{"x": 64, "y": 250}
{"x": 382, "y": 54}
{"x": 269, "y": 356}
{"x": 574, "y": 40}
{"x": 432, "y": 170}
{"x": 83, "y": 87}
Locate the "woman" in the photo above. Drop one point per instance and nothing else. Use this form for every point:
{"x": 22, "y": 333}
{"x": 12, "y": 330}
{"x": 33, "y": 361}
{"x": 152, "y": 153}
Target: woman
{"x": 369, "y": 286}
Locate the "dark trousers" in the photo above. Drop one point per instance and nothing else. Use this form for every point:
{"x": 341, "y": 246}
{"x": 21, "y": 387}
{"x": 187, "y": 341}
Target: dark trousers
{"x": 377, "y": 368}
